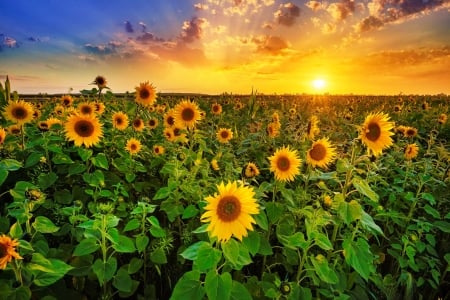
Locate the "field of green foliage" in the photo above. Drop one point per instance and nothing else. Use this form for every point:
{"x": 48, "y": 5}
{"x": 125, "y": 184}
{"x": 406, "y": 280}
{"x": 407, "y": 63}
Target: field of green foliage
{"x": 153, "y": 196}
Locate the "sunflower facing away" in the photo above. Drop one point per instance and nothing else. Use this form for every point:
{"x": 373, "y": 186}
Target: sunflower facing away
{"x": 229, "y": 212}
{"x": 251, "y": 170}
{"x": 186, "y": 114}
{"x": 83, "y": 130}
{"x": 120, "y": 120}
{"x": 376, "y": 132}
{"x": 285, "y": 164}
{"x": 133, "y": 146}
{"x": 224, "y": 135}
{"x": 321, "y": 153}
{"x": 100, "y": 81}
{"x": 145, "y": 94}
{"x": 411, "y": 151}
{"x": 7, "y": 250}
{"x": 2, "y": 135}
{"x": 19, "y": 112}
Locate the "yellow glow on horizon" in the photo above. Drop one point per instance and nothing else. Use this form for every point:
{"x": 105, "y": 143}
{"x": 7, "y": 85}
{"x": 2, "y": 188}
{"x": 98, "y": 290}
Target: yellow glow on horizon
{"x": 319, "y": 84}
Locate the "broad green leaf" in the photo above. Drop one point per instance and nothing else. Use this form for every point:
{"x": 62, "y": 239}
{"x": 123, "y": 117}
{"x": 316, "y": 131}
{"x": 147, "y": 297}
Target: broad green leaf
{"x": 132, "y": 225}
{"x": 63, "y": 196}
{"x": 432, "y": 212}
{"x": 350, "y": 211}
{"x": 86, "y": 246}
{"x": 158, "y": 256}
{"x": 358, "y": 255}
{"x": 368, "y": 223}
{"x": 189, "y": 212}
{"x": 135, "y": 265}
{"x": 122, "y": 281}
{"x": 61, "y": 159}
{"x": 142, "y": 242}
{"x": 274, "y": 211}
{"x": 84, "y": 153}
{"x": 47, "y": 180}
{"x": 125, "y": 245}
{"x": 252, "y": 242}
{"x": 323, "y": 270}
{"x": 207, "y": 258}
{"x": 44, "y": 225}
{"x": 172, "y": 208}
{"x": 100, "y": 161}
{"x": 295, "y": 241}
{"x": 363, "y": 187}
{"x": 443, "y": 226}
{"x": 10, "y": 164}
{"x": 322, "y": 241}
{"x": 105, "y": 271}
{"x": 236, "y": 253}
{"x": 33, "y": 159}
{"x": 191, "y": 252}
{"x": 218, "y": 286}
{"x": 76, "y": 168}
{"x": 189, "y": 287}
{"x": 47, "y": 271}
{"x": 239, "y": 292}
{"x": 3, "y": 175}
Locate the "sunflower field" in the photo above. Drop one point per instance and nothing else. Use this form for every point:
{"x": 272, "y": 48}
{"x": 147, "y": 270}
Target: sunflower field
{"x": 144, "y": 195}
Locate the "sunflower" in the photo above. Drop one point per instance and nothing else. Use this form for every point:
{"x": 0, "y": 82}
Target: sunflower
{"x": 120, "y": 120}
{"x": 321, "y": 153}
{"x": 66, "y": 100}
{"x": 273, "y": 130}
{"x": 411, "y": 151}
{"x": 152, "y": 123}
{"x": 224, "y": 135}
{"x": 312, "y": 128}
{"x": 43, "y": 126}
{"x": 410, "y": 132}
{"x": 275, "y": 117}
{"x": 2, "y": 135}
{"x": 145, "y": 94}
{"x": 186, "y": 114}
{"x": 238, "y": 105}
{"x": 7, "y": 250}
{"x": 376, "y": 132}
{"x": 285, "y": 164}
{"x": 215, "y": 165}
{"x": 138, "y": 124}
{"x": 100, "y": 81}
{"x": 36, "y": 114}
{"x": 251, "y": 170}
{"x": 327, "y": 201}
{"x": 229, "y": 212}
{"x": 83, "y": 130}
{"x": 400, "y": 129}
{"x": 14, "y": 129}
{"x": 99, "y": 107}
{"x": 19, "y": 112}
{"x": 169, "y": 134}
{"x": 53, "y": 121}
{"x": 133, "y": 146}
{"x": 442, "y": 119}
{"x": 59, "y": 110}
{"x": 216, "y": 109}
{"x": 86, "y": 108}
{"x": 169, "y": 118}
{"x": 158, "y": 150}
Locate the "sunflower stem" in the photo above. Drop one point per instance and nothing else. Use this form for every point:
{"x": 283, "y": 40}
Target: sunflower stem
{"x": 22, "y": 132}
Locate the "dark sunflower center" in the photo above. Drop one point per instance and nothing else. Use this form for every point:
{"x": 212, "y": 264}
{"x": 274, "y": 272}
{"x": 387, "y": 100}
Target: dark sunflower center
{"x": 152, "y": 122}
{"x": 84, "y": 128}
{"x": 228, "y": 208}
{"x": 144, "y": 93}
{"x": 100, "y": 80}
{"x": 187, "y": 114}
{"x": 19, "y": 113}
{"x": 156, "y": 150}
{"x": 318, "y": 152}
{"x": 66, "y": 102}
{"x": 3, "y": 251}
{"x": 373, "y": 132}
{"x": 137, "y": 123}
{"x": 119, "y": 121}
{"x": 283, "y": 163}
{"x": 133, "y": 147}
{"x": 224, "y": 134}
{"x": 410, "y": 132}
{"x": 216, "y": 108}
{"x": 308, "y": 128}
{"x": 170, "y": 120}
{"x": 86, "y": 109}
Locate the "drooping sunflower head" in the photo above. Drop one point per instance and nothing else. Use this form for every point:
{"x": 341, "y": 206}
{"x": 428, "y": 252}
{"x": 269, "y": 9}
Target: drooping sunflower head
{"x": 133, "y": 146}
{"x": 411, "y": 151}
{"x": 229, "y": 213}
{"x": 138, "y": 124}
{"x": 251, "y": 170}
{"x": 321, "y": 153}
{"x": 376, "y": 132}
{"x": 2, "y": 135}
{"x": 285, "y": 164}
{"x": 100, "y": 81}
{"x": 224, "y": 135}
{"x": 83, "y": 130}
{"x": 145, "y": 94}
{"x": 19, "y": 112}
{"x": 86, "y": 108}
{"x": 216, "y": 109}
{"x": 158, "y": 150}
{"x": 7, "y": 250}
{"x": 120, "y": 120}
{"x": 186, "y": 114}
{"x": 66, "y": 100}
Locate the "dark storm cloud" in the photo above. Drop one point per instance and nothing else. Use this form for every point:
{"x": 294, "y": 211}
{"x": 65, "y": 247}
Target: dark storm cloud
{"x": 128, "y": 27}
{"x": 287, "y": 14}
{"x": 192, "y": 30}
{"x": 270, "y": 44}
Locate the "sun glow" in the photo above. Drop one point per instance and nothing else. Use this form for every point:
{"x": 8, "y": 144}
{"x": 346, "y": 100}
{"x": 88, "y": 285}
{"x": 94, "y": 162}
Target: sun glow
{"x": 319, "y": 84}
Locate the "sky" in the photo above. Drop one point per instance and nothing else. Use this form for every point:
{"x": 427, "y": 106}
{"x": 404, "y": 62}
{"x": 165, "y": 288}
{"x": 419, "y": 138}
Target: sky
{"x": 376, "y": 47}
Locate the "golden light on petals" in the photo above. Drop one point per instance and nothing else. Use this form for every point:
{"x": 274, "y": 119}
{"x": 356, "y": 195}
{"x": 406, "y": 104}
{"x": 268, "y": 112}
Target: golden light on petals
{"x": 158, "y": 150}
{"x": 285, "y": 164}
{"x": 138, "y": 124}
{"x": 145, "y": 94}
{"x": 19, "y": 112}
{"x": 411, "y": 151}
{"x": 86, "y": 108}
{"x": 251, "y": 170}
{"x": 224, "y": 135}
{"x": 83, "y": 130}
{"x": 120, "y": 120}
{"x": 186, "y": 114}
{"x": 216, "y": 109}
{"x": 153, "y": 123}
{"x": 169, "y": 119}
{"x": 229, "y": 212}
{"x": 321, "y": 153}
{"x": 66, "y": 100}
{"x": 133, "y": 146}
{"x": 8, "y": 250}
{"x": 100, "y": 81}
{"x": 2, "y": 135}
{"x": 376, "y": 132}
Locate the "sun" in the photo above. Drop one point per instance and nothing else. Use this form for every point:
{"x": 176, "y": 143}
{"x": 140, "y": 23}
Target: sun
{"x": 319, "y": 83}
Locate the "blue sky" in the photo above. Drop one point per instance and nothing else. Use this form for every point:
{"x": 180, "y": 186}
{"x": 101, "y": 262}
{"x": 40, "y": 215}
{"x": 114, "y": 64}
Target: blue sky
{"x": 212, "y": 46}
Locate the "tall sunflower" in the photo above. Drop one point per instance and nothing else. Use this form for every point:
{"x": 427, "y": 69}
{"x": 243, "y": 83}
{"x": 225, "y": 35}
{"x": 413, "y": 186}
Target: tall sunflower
{"x": 100, "y": 81}
{"x": 321, "y": 153}
{"x": 224, "y": 135}
{"x": 120, "y": 120}
{"x": 285, "y": 164}
{"x": 145, "y": 94}
{"x": 411, "y": 151}
{"x": 376, "y": 132}
{"x": 7, "y": 250}
{"x": 133, "y": 146}
{"x": 229, "y": 212}
{"x": 2, "y": 135}
{"x": 19, "y": 112}
{"x": 186, "y": 114}
{"x": 83, "y": 130}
